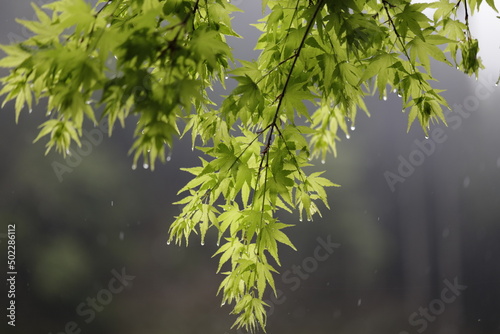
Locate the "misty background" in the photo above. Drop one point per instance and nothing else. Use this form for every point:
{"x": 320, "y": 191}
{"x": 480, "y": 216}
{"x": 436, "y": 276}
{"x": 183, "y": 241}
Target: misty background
{"x": 399, "y": 245}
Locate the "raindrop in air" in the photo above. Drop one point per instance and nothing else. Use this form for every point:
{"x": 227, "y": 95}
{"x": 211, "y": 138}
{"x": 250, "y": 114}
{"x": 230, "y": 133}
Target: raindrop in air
{"x": 112, "y": 203}
{"x": 169, "y": 157}
{"x": 353, "y": 128}
{"x": 122, "y": 235}
{"x": 359, "y": 302}
{"x": 466, "y": 182}
{"x": 134, "y": 167}
{"x": 145, "y": 166}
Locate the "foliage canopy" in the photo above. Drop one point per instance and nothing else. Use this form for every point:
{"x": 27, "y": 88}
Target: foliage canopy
{"x": 155, "y": 60}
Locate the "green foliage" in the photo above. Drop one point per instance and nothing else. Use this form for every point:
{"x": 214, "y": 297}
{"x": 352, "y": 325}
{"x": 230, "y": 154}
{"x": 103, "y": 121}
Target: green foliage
{"x": 156, "y": 59}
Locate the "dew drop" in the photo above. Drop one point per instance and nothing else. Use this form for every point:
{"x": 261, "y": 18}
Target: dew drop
{"x": 323, "y": 161}
{"x": 122, "y": 235}
{"x": 426, "y": 137}
{"x": 353, "y": 128}
{"x": 168, "y": 242}
{"x": 226, "y": 77}
{"x": 134, "y": 167}
{"x": 300, "y": 220}
{"x": 149, "y": 150}
{"x": 218, "y": 244}
{"x": 402, "y": 110}
{"x": 203, "y": 243}
{"x": 395, "y": 91}
{"x": 496, "y": 85}
{"x": 145, "y": 166}
{"x": 400, "y": 95}
{"x": 347, "y": 136}
{"x": 68, "y": 152}
{"x": 30, "y": 111}
{"x": 384, "y": 98}
{"x": 108, "y": 25}
{"x": 223, "y": 303}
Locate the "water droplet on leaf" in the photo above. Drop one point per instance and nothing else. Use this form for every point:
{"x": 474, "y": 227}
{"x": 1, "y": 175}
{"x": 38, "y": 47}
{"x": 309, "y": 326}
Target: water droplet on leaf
{"x": 145, "y": 166}
{"x": 169, "y": 157}
{"x": 347, "y": 136}
{"x": 384, "y": 98}
{"x": 323, "y": 162}
{"x": 134, "y": 167}
{"x": 353, "y": 128}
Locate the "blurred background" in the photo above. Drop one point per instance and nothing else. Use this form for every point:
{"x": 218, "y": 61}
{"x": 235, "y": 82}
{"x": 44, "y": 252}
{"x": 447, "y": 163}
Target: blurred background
{"x": 415, "y": 225}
